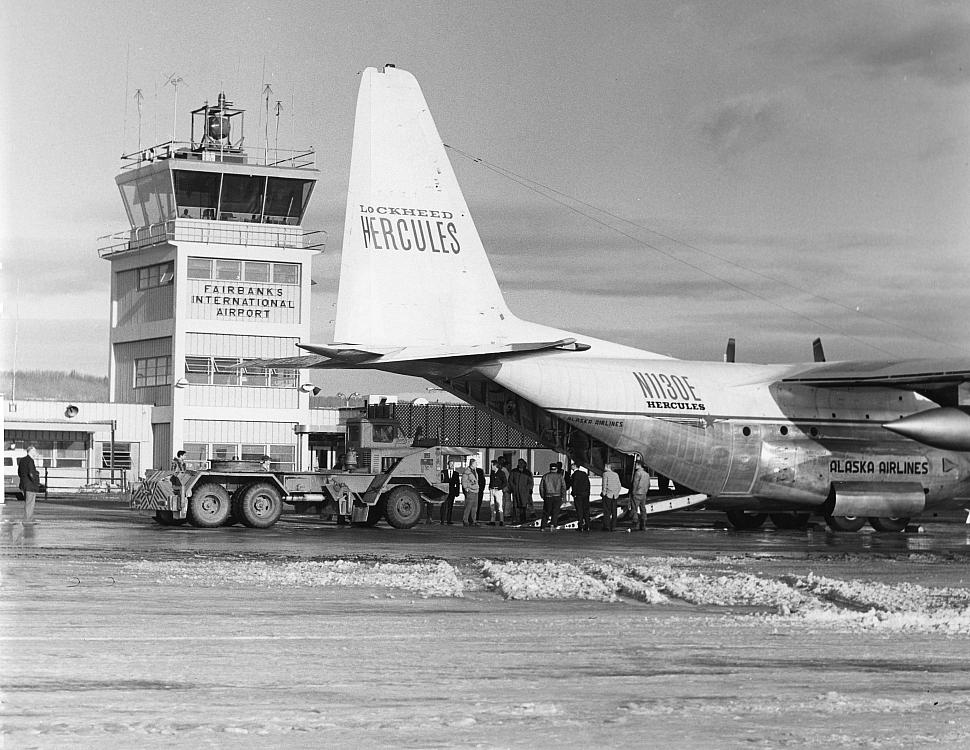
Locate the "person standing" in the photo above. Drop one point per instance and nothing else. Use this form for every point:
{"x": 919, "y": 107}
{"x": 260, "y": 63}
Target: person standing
{"x": 552, "y": 490}
{"x": 29, "y": 482}
{"x": 496, "y": 490}
{"x": 481, "y": 492}
{"x": 454, "y": 490}
{"x": 579, "y": 486}
{"x": 638, "y": 496}
{"x": 611, "y": 491}
{"x": 178, "y": 463}
{"x": 503, "y": 466}
{"x": 522, "y": 482}
{"x": 469, "y": 486}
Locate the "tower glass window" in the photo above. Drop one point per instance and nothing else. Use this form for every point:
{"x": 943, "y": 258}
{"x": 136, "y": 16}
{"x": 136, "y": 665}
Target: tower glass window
{"x": 197, "y": 194}
{"x": 242, "y": 198}
{"x": 286, "y": 199}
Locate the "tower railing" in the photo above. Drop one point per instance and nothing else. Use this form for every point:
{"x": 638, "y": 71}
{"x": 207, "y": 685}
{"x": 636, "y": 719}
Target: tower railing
{"x": 210, "y": 232}
{"x": 263, "y": 157}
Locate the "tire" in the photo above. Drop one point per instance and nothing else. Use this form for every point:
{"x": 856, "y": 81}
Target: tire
{"x": 209, "y": 506}
{"x": 259, "y": 505}
{"x": 845, "y": 523}
{"x": 889, "y": 524}
{"x": 789, "y": 520}
{"x": 403, "y": 507}
{"x": 745, "y": 521}
{"x": 167, "y": 518}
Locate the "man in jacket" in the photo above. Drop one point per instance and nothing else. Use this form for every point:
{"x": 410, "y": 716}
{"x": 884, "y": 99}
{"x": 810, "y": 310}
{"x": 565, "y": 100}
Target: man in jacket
{"x": 469, "y": 486}
{"x": 29, "y": 482}
{"x": 611, "y": 491}
{"x": 496, "y": 490}
{"x": 453, "y": 478}
{"x": 579, "y": 486}
{"x": 552, "y": 490}
{"x": 521, "y": 481}
{"x": 638, "y": 496}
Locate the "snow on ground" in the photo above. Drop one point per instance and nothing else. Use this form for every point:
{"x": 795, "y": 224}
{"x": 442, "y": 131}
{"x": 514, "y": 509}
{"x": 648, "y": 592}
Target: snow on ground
{"x": 424, "y": 578}
{"x": 532, "y": 579}
{"x": 809, "y": 599}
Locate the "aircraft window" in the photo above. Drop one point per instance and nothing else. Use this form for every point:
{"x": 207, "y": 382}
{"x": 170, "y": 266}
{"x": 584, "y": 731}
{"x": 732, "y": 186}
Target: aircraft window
{"x": 197, "y": 193}
{"x": 746, "y": 431}
{"x": 813, "y": 432}
{"x": 285, "y": 199}
{"x": 228, "y": 270}
{"x": 784, "y": 430}
{"x": 242, "y": 198}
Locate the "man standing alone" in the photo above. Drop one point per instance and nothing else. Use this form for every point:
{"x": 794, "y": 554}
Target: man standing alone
{"x": 29, "y": 483}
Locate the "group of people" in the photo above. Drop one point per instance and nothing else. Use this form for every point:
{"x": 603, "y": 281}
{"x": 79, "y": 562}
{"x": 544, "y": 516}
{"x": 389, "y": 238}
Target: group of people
{"x": 510, "y": 494}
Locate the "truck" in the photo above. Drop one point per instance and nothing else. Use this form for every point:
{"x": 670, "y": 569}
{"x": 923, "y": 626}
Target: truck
{"x": 385, "y": 475}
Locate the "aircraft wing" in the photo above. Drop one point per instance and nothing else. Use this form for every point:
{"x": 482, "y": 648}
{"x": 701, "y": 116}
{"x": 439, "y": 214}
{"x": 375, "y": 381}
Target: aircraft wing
{"x": 937, "y": 379}
{"x": 351, "y": 355}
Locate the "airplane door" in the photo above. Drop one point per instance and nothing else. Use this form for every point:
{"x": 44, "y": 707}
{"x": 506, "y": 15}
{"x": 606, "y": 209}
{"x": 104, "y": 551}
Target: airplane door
{"x": 745, "y": 455}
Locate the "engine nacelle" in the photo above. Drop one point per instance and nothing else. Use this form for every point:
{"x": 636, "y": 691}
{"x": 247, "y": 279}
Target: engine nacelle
{"x": 947, "y": 427}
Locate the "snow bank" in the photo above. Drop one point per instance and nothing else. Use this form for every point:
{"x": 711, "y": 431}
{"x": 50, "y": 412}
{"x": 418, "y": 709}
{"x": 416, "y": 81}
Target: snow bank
{"x": 530, "y": 579}
{"x": 424, "y": 578}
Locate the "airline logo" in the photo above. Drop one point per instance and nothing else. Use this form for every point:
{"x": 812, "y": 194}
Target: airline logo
{"x": 674, "y": 392}
{"x": 418, "y": 229}
{"x": 912, "y": 466}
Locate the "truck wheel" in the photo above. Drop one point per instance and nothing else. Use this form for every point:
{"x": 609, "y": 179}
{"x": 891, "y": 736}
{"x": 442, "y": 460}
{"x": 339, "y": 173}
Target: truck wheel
{"x": 403, "y": 507}
{"x": 375, "y": 513}
{"x": 745, "y": 521}
{"x": 845, "y": 523}
{"x": 168, "y": 518}
{"x": 889, "y": 523}
{"x": 209, "y": 506}
{"x": 260, "y": 505}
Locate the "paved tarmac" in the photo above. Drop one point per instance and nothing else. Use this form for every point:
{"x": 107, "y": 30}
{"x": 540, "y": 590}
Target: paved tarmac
{"x": 115, "y": 632}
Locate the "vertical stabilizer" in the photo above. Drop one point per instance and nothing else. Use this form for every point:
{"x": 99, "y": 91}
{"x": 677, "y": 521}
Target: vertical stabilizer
{"x": 413, "y": 269}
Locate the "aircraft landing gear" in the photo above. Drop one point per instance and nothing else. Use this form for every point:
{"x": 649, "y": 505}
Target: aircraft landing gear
{"x": 845, "y": 523}
{"x": 889, "y": 523}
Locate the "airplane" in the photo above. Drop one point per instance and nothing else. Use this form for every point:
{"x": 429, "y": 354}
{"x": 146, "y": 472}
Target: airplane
{"x": 881, "y": 441}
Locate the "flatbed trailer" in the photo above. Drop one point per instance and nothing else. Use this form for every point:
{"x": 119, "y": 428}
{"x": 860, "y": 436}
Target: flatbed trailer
{"x": 228, "y": 492}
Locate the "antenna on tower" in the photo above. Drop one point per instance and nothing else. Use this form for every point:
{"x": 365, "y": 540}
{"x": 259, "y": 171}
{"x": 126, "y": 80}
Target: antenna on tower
{"x": 175, "y": 80}
{"x": 279, "y": 109}
{"x": 267, "y": 92}
{"x": 138, "y": 98}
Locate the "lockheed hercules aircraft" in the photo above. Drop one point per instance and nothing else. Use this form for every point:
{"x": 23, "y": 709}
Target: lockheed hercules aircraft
{"x": 875, "y": 440}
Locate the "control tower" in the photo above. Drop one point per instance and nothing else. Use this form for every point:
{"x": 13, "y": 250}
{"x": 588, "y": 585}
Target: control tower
{"x": 214, "y": 269}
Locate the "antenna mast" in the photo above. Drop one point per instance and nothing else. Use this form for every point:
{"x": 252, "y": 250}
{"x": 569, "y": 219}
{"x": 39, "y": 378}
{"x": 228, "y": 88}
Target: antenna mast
{"x": 138, "y": 97}
{"x": 175, "y": 81}
{"x": 267, "y": 92}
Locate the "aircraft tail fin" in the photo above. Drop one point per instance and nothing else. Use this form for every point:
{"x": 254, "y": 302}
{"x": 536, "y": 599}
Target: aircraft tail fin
{"x": 413, "y": 269}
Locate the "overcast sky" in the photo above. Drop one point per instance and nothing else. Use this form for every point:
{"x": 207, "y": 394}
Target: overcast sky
{"x": 772, "y": 171}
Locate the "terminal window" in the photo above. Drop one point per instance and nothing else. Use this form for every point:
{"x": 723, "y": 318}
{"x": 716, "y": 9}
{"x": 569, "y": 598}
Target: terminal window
{"x": 238, "y": 270}
{"x": 152, "y": 371}
{"x": 159, "y": 274}
{"x": 226, "y": 371}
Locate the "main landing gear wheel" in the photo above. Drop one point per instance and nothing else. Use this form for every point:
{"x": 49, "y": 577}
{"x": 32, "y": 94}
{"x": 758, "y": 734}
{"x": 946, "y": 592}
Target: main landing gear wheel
{"x": 789, "y": 520}
{"x": 209, "y": 506}
{"x": 889, "y": 523}
{"x": 403, "y": 507}
{"x": 259, "y": 506}
{"x": 845, "y": 523}
{"x": 745, "y": 521}
{"x": 168, "y": 518}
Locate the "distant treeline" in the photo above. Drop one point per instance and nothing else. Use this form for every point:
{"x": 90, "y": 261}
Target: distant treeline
{"x": 53, "y": 385}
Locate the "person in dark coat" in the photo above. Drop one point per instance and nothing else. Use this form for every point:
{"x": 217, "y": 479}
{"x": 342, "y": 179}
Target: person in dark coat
{"x": 522, "y": 482}
{"x": 579, "y": 486}
{"x": 29, "y": 482}
{"x": 454, "y": 490}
